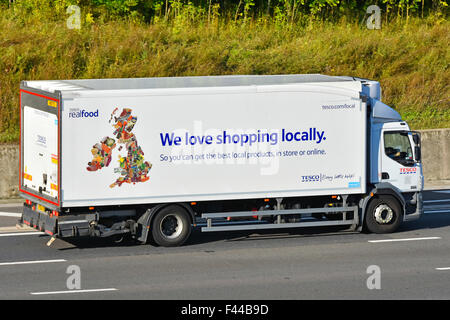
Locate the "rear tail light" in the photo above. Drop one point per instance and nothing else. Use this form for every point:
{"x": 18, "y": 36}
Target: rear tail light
{"x": 255, "y": 210}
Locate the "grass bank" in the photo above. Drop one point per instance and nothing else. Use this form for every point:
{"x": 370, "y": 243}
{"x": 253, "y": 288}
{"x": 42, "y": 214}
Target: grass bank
{"x": 411, "y": 60}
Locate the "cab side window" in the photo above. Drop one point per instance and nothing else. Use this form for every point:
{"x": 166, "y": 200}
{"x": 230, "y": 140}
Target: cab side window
{"x": 398, "y": 147}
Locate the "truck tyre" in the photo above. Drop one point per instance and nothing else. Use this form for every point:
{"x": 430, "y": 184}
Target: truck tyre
{"x": 171, "y": 226}
{"x": 383, "y": 215}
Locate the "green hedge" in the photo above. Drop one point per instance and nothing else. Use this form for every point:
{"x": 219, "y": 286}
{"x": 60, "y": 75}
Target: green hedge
{"x": 291, "y": 10}
{"x": 410, "y": 57}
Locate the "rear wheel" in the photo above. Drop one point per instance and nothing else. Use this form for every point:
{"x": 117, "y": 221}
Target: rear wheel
{"x": 383, "y": 215}
{"x": 171, "y": 226}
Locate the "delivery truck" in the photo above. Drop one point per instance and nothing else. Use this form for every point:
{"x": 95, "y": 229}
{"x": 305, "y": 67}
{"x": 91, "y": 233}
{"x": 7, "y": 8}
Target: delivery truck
{"x": 153, "y": 158}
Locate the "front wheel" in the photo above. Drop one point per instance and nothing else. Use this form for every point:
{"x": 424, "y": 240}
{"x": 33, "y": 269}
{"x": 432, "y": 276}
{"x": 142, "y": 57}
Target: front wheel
{"x": 383, "y": 215}
{"x": 171, "y": 226}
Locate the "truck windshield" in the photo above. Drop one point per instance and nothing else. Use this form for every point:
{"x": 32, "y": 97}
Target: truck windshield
{"x": 398, "y": 147}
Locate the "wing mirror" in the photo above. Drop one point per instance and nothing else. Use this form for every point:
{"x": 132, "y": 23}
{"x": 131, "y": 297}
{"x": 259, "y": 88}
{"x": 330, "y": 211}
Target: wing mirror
{"x": 417, "y": 149}
{"x": 416, "y": 138}
{"x": 417, "y": 154}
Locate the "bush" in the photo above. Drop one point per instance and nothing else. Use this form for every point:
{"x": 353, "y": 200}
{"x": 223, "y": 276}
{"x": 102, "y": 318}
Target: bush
{"x": 409, "y": 58}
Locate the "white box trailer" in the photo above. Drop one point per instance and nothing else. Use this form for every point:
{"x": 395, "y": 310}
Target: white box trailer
{"x": 124, "y": 156}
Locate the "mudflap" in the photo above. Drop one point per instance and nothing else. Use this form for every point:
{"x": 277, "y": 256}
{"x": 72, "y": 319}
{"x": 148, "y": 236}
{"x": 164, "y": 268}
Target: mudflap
{"x": 39, "y": 220}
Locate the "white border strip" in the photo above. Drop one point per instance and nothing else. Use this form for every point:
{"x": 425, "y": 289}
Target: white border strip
{"x": 443, "y": 269}
{"x": 10, "y": 214}
{"x": 440, "y": 200}
{"x": 73, "y": 291}
{"x": 406, "y": 239}
{"x": 24, "y": 233}
{"x": 438, "y": 211}
{"x": 31, "y": 262}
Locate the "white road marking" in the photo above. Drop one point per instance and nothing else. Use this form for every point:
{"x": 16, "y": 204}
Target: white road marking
{"x": 25, "y": 233}
{"x": 406, "y": 239}
{"x": 12, "y": 205}
{"x": 442, "y": 269}
{"x": 73, "y": 291}
{"x": 31, "y": 262}
{"x": 10, "y": 214}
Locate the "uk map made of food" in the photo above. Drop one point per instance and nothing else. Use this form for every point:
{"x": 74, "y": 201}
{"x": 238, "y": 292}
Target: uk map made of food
{"x": 133, "y": 168}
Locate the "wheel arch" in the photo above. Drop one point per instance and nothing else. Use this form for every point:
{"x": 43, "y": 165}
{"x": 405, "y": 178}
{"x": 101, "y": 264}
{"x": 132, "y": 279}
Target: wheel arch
{"x": 381, "y": 189}
{"x": 147, "y": 218}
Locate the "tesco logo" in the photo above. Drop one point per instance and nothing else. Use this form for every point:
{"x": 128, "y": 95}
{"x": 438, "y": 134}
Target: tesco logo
{"x": 408, "y": 170}
{"x": 311, "y": 178}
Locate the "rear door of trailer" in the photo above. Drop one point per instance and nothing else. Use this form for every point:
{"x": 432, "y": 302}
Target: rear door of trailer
{"x": 39, "y": 146}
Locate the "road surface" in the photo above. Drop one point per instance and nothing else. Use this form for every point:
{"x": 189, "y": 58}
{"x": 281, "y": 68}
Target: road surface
{"x": 413, "y": 263}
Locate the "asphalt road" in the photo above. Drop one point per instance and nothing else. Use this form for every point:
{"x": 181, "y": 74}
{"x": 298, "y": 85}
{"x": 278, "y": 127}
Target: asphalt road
{"x": 413, "y": 263}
